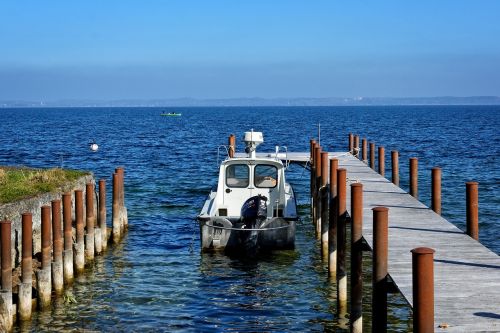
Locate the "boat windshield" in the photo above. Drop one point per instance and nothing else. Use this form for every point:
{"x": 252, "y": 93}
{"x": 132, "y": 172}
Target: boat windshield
{"x": 265, "y": 175}
{"x": 237, "y": 175}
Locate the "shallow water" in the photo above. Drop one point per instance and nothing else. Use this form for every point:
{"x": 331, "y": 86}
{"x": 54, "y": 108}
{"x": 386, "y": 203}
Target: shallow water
{"x": 157, "y": 279}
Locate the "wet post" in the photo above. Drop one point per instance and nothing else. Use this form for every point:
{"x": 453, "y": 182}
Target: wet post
{"x": 44, "y": 283}
{"x": 372, "y": 155}
{"x": 395, "y": 167}
{"x": 317, "y": 223}
{"x": 57, "y": 264}
{"x": 312, "y": 168}
{"x": 341, "y": 243}
{"x": 414, "y": 177}
{"x": 90, "y": 222}
{"x": 6, "y": 311}
{"x": 332, "y": 221}
{"x": 80, "y": 238}
{"x": 381, "y": 161}
{"x": 423, "y": 289}
{"x": 356, "y": 317}
{"x": 472, "y": 203}
{"x": 379, "y": 282}
{"x": 351, "y": 143}
{"x": 68, "y": 240}
{"x": 436, "y": 190}
{"x": 123, "y": 209}
{"x": 116, "y": 209}
{"x": 25, "y": 287}
{"x": 102, "y": 214}
{"x": 232, "y": 145}
{"x": 364, "y": 150}
{"x": 324, "y": 205}
{"x": 356, "y": 146}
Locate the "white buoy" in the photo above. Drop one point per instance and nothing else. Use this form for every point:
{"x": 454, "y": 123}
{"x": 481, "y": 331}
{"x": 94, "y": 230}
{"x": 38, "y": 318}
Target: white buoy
{"x": 94, "y": 147}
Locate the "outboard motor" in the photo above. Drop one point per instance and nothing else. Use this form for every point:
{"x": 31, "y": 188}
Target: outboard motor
{"x": 253, "y": 213}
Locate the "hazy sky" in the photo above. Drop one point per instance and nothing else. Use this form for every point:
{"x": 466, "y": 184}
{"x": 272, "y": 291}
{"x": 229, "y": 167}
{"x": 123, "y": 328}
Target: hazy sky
{"x": 107, "y": 49}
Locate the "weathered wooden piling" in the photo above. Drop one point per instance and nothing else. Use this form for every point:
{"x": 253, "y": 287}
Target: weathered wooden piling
{"x": 414, "y": 177}
{"x": 123, "y": 209}
{"x": 332, "y": 221}
{"x": 372, "y": 155}
{"x": 380, "y": 253}
{"x": 57, "y": 263}
{"x": 6, "y": 311}
{"x": 381, "y": 161}
{"x": 317, "y": 160}
{"x": 102, "y": 214}
{"x": 68, "y": 239}
{"x": 24, "y": 303}
{"x": 116, "y": 209}
{"x": 341, "y": 243}
{"x": 436, "y": 190}
{"x": 423, "y": 289}
{"x": 395, "y": 167}
{"x": 351, "y": 143}
{"x": 80, "y": 240}
{"x": 364, "y": 149}
{"x": 90, "y": 222}
{"x": 324, "y": 204}
{"x": 44, "y": 283}
{"x": 356, "y": 317}
{"x": 356, "y": 146}
{"x": 232, "y": 145}
{"x": 471, "y": 210}
{"x": 313, "y": 178}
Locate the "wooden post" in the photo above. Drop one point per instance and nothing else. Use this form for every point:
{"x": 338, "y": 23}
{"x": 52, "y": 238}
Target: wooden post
{"x": 365, "y": 150}
{"x": 317, "y": 159}
{"x": 423, "y": 289}
{"x": 341, "y": 243}
{"x": 313, "y": 176}
{"x": 381, "y": 161}
{"x": 324, "y": 204}
{"x": 232, "y": 145}
{"x": 372, "y": 155}
{"x": 6, "y": 313}
{"x": 116, "y": 209}
{"x": 123, "y": 210}
{"x": 395, "y": 167}
{"x": 332, "y": 221}
{"x": 356, "y": 146}
{"x": 102, "y": 213}
{"x": 80, "y": 240}
{"x": 57, "y": 264}
{"x": 351, "y": 143}
{"x": 44, "y": 284}
{"x": 436, "y": 190}
{"x": 472, "y": 211}
{"x": 356, "y": 317}
{"x": 380, "y": 253}
{"x": 25, "y": 287}
{"x": 68, "y": 239}
{"x": 90, "y": 222}
{"x": 414, "y": 177}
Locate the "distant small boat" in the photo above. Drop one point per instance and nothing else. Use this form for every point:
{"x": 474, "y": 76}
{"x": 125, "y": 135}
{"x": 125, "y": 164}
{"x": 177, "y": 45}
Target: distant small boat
{"x": 171, "y": 114}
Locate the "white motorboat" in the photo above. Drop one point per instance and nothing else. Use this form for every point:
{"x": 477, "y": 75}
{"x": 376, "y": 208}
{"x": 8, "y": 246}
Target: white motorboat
{"x": 253, "y": 208}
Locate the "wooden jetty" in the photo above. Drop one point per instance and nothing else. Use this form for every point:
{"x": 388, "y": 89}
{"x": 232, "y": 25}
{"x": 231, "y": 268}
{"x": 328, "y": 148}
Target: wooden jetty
{"x": 466, "y": 274}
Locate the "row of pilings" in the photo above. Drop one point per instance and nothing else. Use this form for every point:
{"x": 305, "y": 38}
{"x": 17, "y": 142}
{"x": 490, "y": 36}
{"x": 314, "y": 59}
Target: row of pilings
{"x": 67, "y": 246}
{"x": 328, "y": 185}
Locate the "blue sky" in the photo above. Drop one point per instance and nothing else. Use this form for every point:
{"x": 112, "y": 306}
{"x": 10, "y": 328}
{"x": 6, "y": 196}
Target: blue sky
{"x": 51, "y": 50}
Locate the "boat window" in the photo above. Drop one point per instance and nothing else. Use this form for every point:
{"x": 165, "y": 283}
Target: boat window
{"x": 265, "y": 175}
{"x": 237, "y": 175}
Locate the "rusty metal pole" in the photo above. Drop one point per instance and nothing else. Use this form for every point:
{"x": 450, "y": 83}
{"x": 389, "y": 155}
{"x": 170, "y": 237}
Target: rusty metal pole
{"x": 317, "y": 223}
{"x": 380, "y": 253}
{"x": 381, "y": 161}
{"x": 372, "y": 155}
{"x": 423, "y": 289}
{"x": 341, "y": 243}
{"x": 356, "y": 317}
{"x": 44, "y": 283}
{"x": 414, "y": 177}
{"x": 102, "y": 213}
{"x": 80, "y": 238}
{"x": 90, "y": 222}
{"x": 57, "y": 264}
{"x": 332, "y": 221}
{"x": 351, "y": 143}
{"x": 356, "y": 146}
{"x": 472, "y": 212}
{"x": 395, "y": 167}
{"x": 324, "y": 205}
{"x": 436, "y": 190}
{"x": 364, "y": 150}
{"x": 68, "y": 239}
{"x": 232, "y": 145}
{"x": 25, "y": 286}
{"x": 6, "y": 307}
{"x": 116, "y": 209}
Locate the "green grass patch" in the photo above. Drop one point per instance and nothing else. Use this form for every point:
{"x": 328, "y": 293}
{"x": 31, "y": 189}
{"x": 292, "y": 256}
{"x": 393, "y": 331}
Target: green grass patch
{"x": 21, "y": 183}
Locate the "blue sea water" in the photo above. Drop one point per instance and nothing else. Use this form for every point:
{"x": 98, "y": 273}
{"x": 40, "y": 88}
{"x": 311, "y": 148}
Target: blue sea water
{"x": 157, "y": 279}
